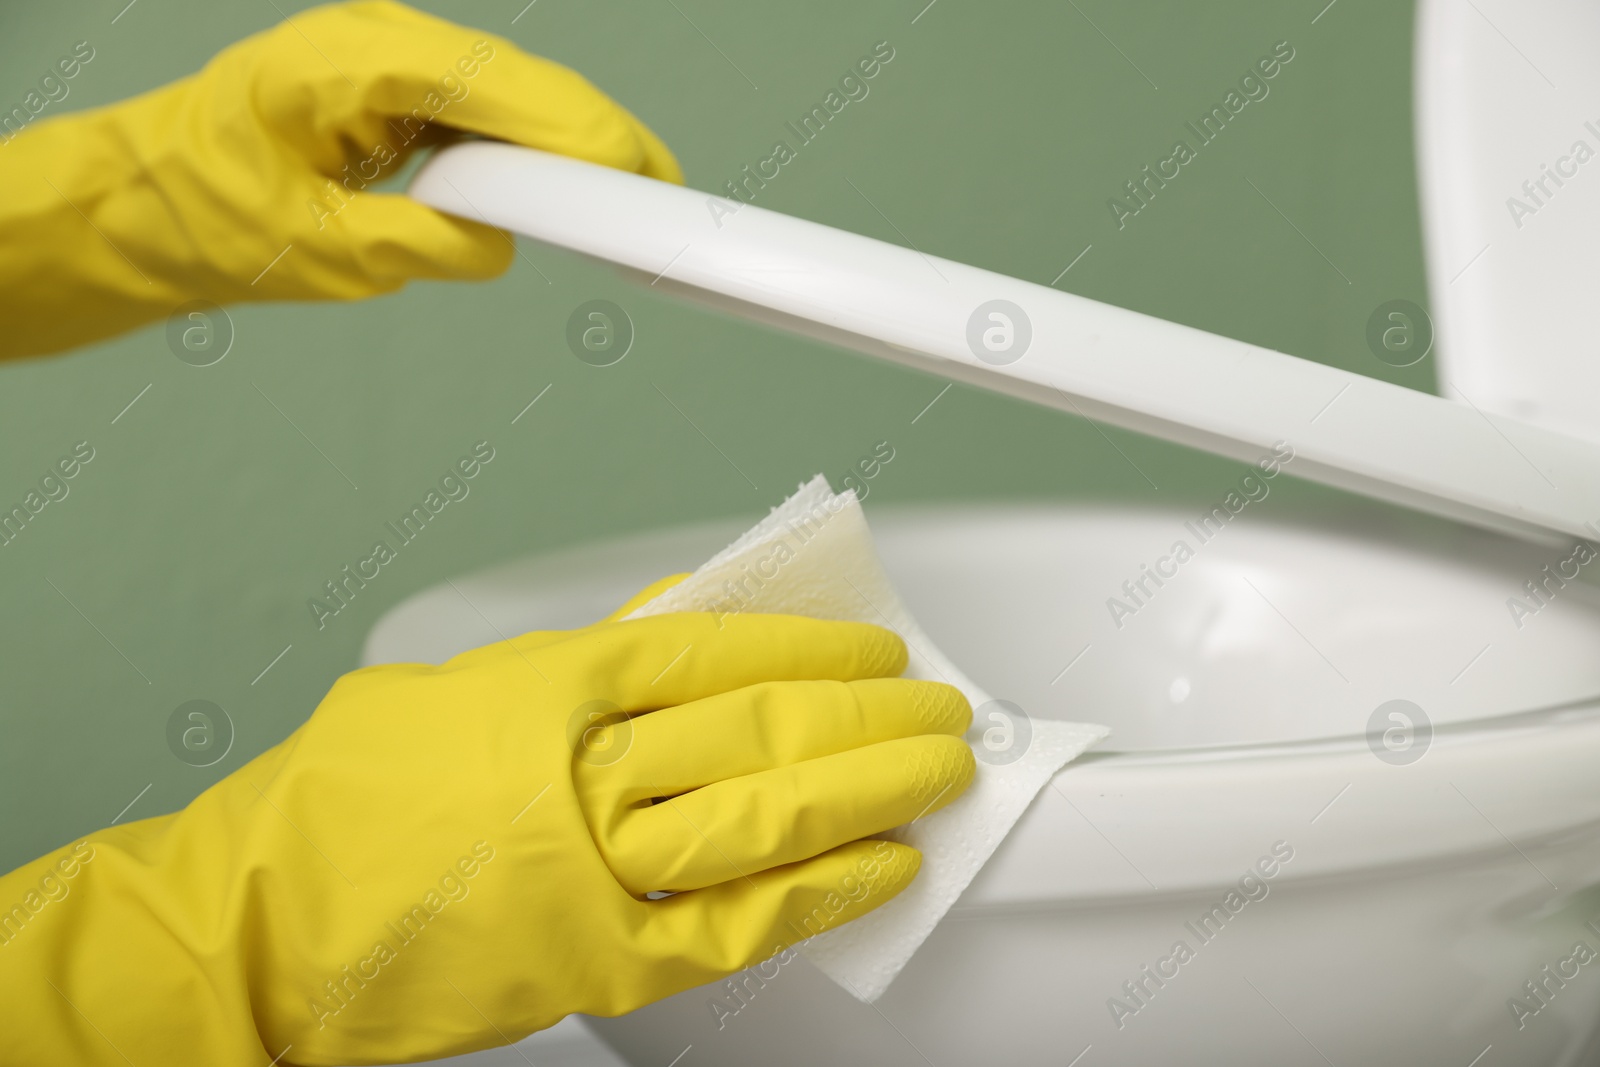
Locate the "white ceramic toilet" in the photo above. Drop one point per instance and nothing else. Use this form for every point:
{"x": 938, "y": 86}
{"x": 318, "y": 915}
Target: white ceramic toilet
{"x": 1418, "y": 899}
{"x": 1352, "y": 880}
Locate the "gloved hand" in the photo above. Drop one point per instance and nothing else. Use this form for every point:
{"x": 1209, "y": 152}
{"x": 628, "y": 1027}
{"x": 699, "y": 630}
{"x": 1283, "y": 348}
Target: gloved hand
{"x": 245, "y": 181}
{"x": 448, "y": 858}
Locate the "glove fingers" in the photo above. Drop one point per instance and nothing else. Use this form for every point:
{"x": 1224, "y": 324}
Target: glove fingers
{"x": 679, "y": 749}
{"x": 574, "y": 118}
{"x": 735, "y": 828}
{"x": 382, "y": 63}
{"x": 728, "y": 927}
{"x": 665, "y": 660}
{"x": 391, "y": 239}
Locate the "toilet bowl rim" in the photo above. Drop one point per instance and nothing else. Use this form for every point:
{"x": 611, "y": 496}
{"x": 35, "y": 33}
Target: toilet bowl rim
{"x": 1484, "y": 730}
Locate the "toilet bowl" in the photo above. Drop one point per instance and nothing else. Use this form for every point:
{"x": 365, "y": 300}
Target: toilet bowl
{"x": 1397, "y": 883}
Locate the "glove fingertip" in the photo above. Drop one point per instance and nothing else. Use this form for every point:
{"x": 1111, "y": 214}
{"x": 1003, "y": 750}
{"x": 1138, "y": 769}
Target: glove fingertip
{"x": 843, "y": 884}
{"x": 656, "y": 159}
{"x": 855, "y": 879}
{"x": 903, "y": 864}
{"x": 883, "y": 652}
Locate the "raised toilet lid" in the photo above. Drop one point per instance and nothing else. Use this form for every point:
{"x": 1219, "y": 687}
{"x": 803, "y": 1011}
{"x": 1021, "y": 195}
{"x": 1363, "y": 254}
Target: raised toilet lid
{"x": 1508, "y": 157}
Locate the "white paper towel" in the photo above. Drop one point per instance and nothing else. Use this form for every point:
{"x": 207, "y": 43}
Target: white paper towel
{"x": 813, "y": 555}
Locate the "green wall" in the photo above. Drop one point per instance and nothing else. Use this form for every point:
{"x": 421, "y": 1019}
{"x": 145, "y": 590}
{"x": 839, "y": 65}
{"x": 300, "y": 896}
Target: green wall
{"x": 181, "y": 563}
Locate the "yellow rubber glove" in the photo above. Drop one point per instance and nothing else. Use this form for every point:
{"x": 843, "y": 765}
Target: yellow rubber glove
{"x": 448, "y": 858}
{"x": 245, "y": 181}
